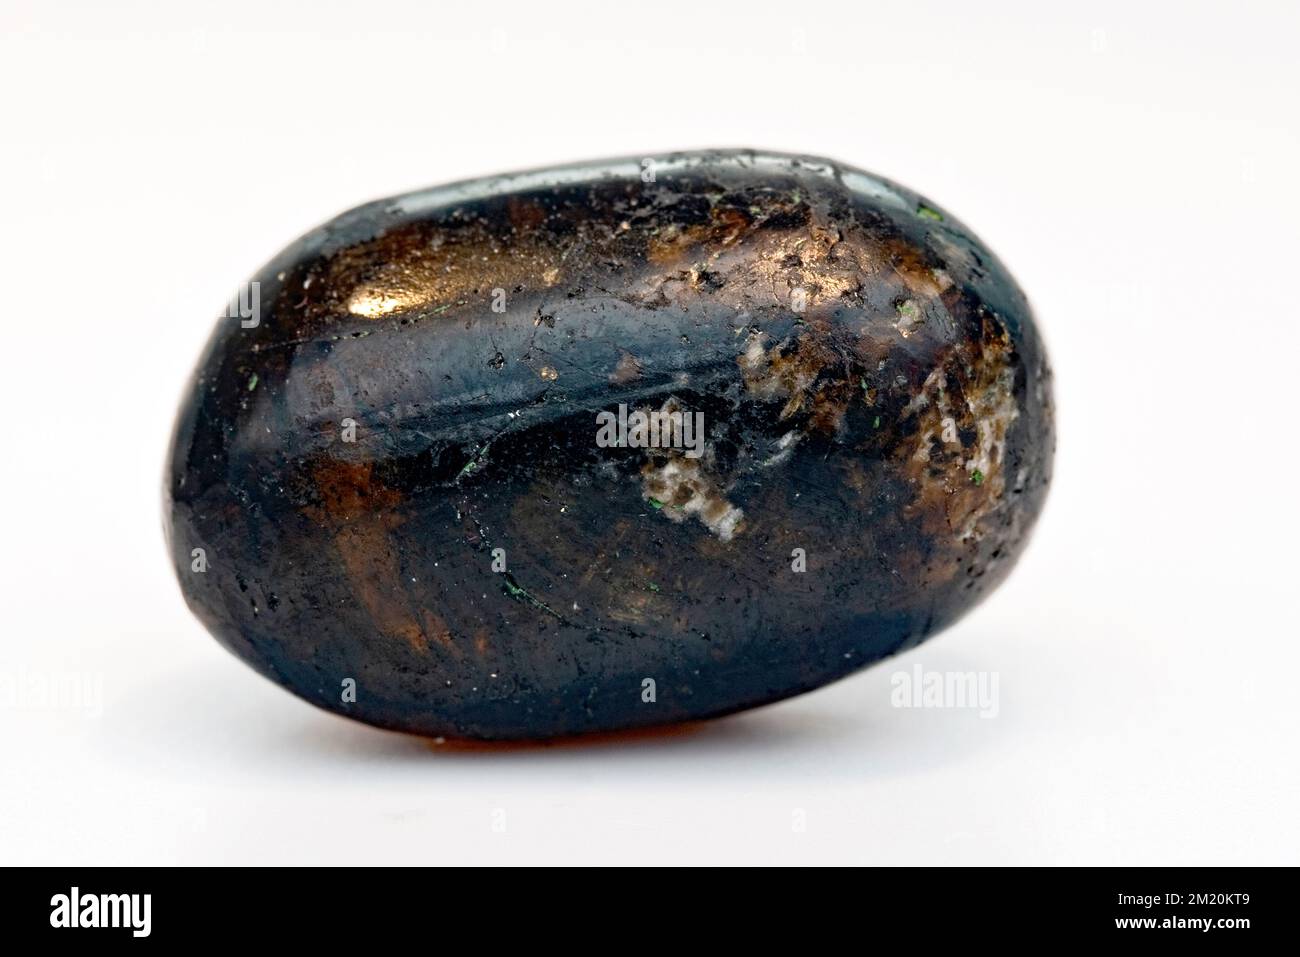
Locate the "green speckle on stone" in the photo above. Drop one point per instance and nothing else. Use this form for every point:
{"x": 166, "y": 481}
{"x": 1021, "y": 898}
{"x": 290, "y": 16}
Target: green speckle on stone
{"x": 656, "y": 504}
{"x": 471, "y": 465}
{"x": 652, "y": 586}
{"x": 908, "y": 309}
{"x": 252, "y": 382}
{"x": 977, "y": 477}
{"x": 518, "y": 591}
{"x": 925, "y": 212}
{"x": 876, "y": 423}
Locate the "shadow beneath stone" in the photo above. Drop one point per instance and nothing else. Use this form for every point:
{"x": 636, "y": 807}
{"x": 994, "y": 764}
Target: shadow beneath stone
{"x": 736, "y": 735}
{"x": 599, "y": 739}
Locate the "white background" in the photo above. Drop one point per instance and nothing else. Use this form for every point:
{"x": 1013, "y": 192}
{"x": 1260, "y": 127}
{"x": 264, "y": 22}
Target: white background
{"x": 1135, "y": 166}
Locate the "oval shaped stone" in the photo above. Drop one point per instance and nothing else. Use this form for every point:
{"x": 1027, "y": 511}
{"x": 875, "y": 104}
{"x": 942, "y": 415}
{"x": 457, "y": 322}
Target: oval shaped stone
{"x": 610, "y": 445}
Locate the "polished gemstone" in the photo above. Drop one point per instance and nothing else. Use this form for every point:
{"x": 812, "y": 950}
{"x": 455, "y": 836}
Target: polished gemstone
{"x": 609, "y": 445}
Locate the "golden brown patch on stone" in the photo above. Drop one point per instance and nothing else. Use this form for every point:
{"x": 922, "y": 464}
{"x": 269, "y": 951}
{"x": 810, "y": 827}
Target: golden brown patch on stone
{"x": 795, "y": 370}
{"x": 359, "y": 510}
{"x": 348, "y": 490}
{"x": 436, "y": 629}
{"x": 627, "y": 370}
{"x": 735, "y": 260}
{"x": 915, "y": 268}
{"x": 673, "y": 244}
{"x": 406, "y": 270}
{"x": 955, "y": 458}
{"x": 524, "y": 214}
{"x": 749, "y": 265}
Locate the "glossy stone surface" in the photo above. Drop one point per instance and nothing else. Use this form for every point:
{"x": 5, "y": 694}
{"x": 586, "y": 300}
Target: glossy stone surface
{"x": 413, "y": 407}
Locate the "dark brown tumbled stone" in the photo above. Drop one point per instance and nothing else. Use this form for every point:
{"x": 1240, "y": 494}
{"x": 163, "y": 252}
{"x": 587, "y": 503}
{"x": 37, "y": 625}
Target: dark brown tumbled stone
{"x": 389, "y": 490}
